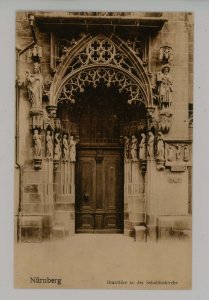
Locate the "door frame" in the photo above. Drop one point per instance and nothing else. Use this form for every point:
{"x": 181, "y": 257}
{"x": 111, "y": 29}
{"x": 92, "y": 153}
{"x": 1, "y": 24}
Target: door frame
{"x": 99, "y": 154}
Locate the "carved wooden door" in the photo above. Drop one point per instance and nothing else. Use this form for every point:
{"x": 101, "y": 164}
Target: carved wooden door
{"x": 99, "y": 191}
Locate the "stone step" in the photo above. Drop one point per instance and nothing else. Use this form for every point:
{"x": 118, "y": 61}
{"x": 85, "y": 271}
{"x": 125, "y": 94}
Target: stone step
{"x": 58, "y": 231}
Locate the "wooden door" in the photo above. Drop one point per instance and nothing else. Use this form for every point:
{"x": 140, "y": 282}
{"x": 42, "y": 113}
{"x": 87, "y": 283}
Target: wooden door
{"x": 99, "y": 191}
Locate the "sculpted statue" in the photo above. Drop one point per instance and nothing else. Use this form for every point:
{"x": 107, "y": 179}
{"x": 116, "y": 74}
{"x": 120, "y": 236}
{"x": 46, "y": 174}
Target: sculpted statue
{"x": 126, "y": 148}
{"x": 150, "y": 145}
{"x": 72, "y": 145}
{"x": 165, "y": 86}
{"x": 134, "y": 143}
{"x": 35, "y": 86}
{"x": 166, "y": 54}
{"x": 165, "y": 119}
{"x": 37, "y": 143}
{"x": 49, "y": 145}
{"x": 160, "y": 146}
{"x": 65, "y": 147}
{"x": 142, "y": 147}
{"x": 170, "y": 153}
{"x": 64, "y": 52}
{"x": 186, "y": 153}
{"x": 178, "y": 152}
{"x": 57, "y": 147}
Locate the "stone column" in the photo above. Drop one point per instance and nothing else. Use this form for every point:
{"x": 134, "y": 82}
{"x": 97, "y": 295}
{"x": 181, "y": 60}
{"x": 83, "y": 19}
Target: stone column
{"x": 134, "y": 203}
{"x": 151, "y": 203}
{"x": 65, "y": 196}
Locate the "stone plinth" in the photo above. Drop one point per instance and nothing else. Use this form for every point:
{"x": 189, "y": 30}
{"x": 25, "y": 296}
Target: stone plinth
{"x": 140, "y": 233}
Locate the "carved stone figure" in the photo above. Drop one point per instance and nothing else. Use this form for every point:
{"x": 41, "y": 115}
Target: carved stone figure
{"x": 35, "y": 53}
{"x": 166, "y": 54}
{"x": 178, "y": 152}
{"x": 37, "y": 143}
{"x": 65, "y": 147}
{"x": 160, "y": 146}
{"x": 170, "y": 153}
{"x": 134, "y": 143}
{"x": 35, "y": 87}
{"x": 150, "y": 145}
{"x": 72, "y": 145}
{"x": 165, "y": 119}
{"x": 64, "y": 53}
{"x": 186, "y": 153}
{"x": 57, "y": 147}
{"x": 57, "y": 124}
{"x": 165, "y": 87}
{"x": 126, "y": 148}
{"x": 142, "y": 147}
{"x": 48, "y": 120}
{"x": 49, "y": 145}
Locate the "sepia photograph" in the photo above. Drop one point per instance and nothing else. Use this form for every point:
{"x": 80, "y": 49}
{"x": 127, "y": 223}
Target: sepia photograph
{"x": 103, "y": 150}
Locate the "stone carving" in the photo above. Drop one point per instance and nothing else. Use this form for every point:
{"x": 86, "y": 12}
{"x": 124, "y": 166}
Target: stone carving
{"x": 160, "y": 146}
{"x": 57, "y": 146}
{"x": 165, "y": 119}
{"x": 150, "y": 145}
{"x": 142, "y": 147}
{"x": 64, "y": 53}
{"x": 36, "y": 119}
{"x": 186, "y": 153}
{"x": 64, "y": 45}
{"x": 35, "y": 53}
{"x": 170, "y": 153}
{"x": 72, "y": 144}
{"x": 166, "y": 54}
{"x": 57, "y": 124}
{"x": 35, "y": 87}
{"x": 180, "y": 155}
{"x": 49, "y": 145}
{"x": 177, "y": 156}
{"x": 94, "y": 76}
{"x": 37, "y": 143}
{"x": 151, "y": 117}
{"x": 99, "y": 52}
{"x": 134, "y": 143}
{"x": 65, "y": 146}
{"x": 160, "y": 152}
{"x": 48, "y": 120}
{"x": 178, "y": 152}
{"x": 126, "y": 147}
{"x": 165, "y": 87}
{"x": 137, "y": 45}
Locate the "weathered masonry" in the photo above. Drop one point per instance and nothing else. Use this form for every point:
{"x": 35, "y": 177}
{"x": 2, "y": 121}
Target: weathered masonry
{"x": 104, "y": 120}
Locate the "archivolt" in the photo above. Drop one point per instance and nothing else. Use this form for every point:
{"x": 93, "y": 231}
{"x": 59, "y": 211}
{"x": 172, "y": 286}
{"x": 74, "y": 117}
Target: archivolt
{"x": 98, "y": 59}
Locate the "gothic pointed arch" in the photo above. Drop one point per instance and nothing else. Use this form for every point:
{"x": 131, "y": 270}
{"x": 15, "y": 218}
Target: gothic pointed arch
{"x": 101, "y": 58}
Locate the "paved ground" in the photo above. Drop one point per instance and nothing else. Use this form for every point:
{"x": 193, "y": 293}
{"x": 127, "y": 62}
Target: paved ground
{"x": 90, "y": 260}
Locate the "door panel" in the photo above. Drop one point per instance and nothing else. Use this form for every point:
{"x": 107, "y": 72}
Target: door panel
{"x": 99, "y": 191}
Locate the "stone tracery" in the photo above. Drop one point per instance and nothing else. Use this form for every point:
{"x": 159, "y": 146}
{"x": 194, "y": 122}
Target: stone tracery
{"x": 94, "y": 76}
{"x": 101, "y": 58}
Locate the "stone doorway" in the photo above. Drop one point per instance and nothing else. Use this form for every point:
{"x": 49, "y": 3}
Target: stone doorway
{"x": 100, "y": 119}
{"x": 99, "y": 180}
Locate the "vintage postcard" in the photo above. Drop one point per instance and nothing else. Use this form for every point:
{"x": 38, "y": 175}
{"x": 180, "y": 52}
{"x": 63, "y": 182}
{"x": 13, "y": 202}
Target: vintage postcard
{"x": 103, "y": 170}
